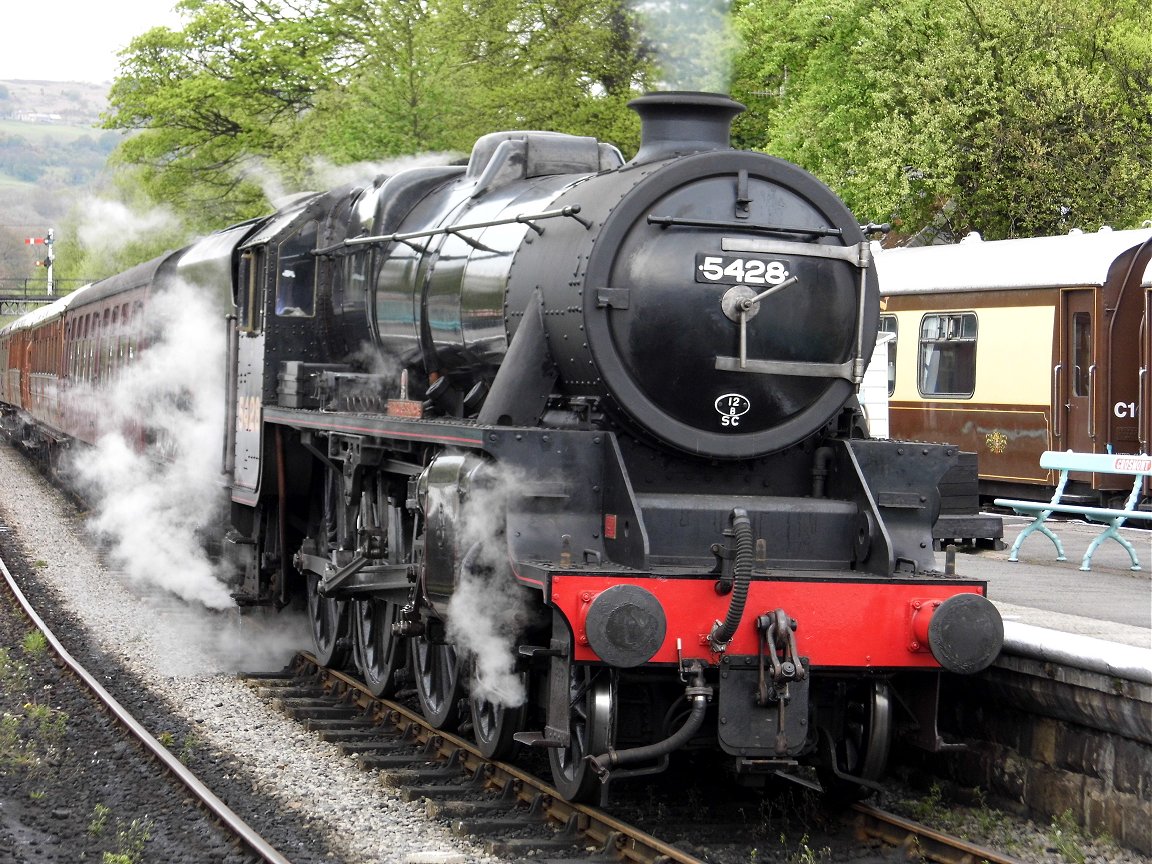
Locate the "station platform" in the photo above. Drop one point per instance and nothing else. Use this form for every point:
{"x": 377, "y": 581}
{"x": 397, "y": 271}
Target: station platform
{"x": 1110, "y": 602}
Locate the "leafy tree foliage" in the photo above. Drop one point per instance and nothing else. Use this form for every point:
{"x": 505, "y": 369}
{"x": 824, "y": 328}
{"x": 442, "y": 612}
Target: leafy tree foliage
{"x": 1013, "y": 117}
{"x": 216, "y": 98}
{"x": 249, "y": 85}
{"x": 568, "y": 65}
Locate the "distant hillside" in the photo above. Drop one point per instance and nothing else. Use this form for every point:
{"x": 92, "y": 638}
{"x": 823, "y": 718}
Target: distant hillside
{"x": 68, "y": 103}
{"x": 52, "y": 153}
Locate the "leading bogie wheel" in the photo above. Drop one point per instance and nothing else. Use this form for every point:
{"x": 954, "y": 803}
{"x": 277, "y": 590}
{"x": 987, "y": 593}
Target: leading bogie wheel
{"x": 862, "y": 751}
{"x": 591, "y": 727}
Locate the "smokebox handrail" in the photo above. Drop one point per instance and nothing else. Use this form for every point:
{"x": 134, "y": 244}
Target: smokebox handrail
{"x": 569, "y": 212}
{"x": 721, "y": 225}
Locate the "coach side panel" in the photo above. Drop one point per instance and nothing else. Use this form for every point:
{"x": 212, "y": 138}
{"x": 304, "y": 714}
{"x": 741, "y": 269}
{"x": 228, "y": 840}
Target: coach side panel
{"x": 975, "y": 369}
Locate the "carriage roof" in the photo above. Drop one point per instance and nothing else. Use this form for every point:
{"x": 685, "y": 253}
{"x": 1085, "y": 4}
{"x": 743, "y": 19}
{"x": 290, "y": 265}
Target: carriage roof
{"x": 1076, "y": 259}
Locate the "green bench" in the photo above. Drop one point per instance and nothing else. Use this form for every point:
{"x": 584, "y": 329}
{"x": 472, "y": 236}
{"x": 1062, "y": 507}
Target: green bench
{"x": 1097, "y": 463}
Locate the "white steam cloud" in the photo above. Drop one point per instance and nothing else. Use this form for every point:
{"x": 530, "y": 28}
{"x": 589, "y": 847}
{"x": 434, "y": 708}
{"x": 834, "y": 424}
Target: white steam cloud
{"x": 326, "y": 175}
{"x": 693, "y": 40}
{"x": 322, "y": 174}
{"x": 112, "y": 225}
{"x": 152, "y": 503}
{"x": 488, "y": 609}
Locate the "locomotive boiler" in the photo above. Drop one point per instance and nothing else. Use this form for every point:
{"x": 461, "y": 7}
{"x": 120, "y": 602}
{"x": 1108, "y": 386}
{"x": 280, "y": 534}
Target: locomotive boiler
{"x": 569, "y": 445}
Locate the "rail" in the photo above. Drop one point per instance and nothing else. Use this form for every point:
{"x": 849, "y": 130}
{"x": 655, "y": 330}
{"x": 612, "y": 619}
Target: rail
{"x": 609, "y": 838}
{"x": 237, "y": 826}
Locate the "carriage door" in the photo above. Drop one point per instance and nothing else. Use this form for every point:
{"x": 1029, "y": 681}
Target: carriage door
{"x": 1144, "y": 406}
{"x": 1076, "y": 379}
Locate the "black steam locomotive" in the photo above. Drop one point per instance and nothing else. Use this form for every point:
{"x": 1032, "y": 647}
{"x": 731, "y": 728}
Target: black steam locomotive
{"x": 571, "y": 445}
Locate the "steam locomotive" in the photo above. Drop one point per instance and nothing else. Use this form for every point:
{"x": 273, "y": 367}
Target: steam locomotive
{"x": 600, "y": 483}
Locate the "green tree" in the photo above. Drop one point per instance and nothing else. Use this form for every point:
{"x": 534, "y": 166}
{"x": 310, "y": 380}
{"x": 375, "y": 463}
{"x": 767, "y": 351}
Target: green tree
{"x": 564, "y": 65}
{"x": 248, "y": 85}
{"x": 213, "y": 100}
{"x": 386, "y": 95}
{"x": 1012, "y": 117}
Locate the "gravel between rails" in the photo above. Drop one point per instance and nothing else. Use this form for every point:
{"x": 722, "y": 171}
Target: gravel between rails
{"x": 305, "y": 797}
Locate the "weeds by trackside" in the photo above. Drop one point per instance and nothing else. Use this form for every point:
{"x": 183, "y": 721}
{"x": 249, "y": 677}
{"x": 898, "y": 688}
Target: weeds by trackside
{"x": 35, "y": 644}
{"x": 1067, "y": 838}
{"x": 130, "y": 838}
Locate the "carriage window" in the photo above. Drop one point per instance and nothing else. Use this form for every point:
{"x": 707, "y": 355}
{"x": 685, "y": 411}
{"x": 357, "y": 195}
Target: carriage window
{"x": 296, "y": 274}
{"x": 134, "y": 340}
{"x": 888, "y": 325}
{"x": 114, "y": 342}
{"x": 1081, "y": 352}
{"x": 948, "y": 355}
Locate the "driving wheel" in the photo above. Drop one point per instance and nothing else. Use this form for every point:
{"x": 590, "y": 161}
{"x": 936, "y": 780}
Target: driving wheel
{"x": 494, "y": 724}
{"x": 379, "y": 653}
{"x": 329, "y": 625}
{"x": 439, "y": 684}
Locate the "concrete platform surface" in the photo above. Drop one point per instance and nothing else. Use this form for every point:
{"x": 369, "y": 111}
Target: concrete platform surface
{"x": 1110, "y": 602}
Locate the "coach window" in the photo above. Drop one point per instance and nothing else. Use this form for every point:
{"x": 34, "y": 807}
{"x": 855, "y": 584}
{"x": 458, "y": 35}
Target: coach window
{"x": 114, "y": 343}
{"x": 106, "y": 336}
{"x": 137, "y": 323}
{"x": 89, "y": 342}
{"x": 1081, "y": 352}
{"x": 296, "y": 274}
{"x": 122, "y": 342}
{"x": 948, "y": 355}
{"x": 95, "y": 368}
{"x": 888, "y": 325}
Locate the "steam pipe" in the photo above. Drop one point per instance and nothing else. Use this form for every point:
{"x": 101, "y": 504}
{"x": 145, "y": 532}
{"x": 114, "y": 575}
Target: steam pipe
{"x": 698, "y": 693}
{"x": 722, "y": 633}
{"x": 821, "y": 459}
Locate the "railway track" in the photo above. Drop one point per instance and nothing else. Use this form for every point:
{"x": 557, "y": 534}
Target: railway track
{"x": 243, "y": 835}
{"x": 520, "y": 815}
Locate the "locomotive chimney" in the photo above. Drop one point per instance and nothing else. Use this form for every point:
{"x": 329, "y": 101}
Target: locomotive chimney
{"x": 678, "y": 123}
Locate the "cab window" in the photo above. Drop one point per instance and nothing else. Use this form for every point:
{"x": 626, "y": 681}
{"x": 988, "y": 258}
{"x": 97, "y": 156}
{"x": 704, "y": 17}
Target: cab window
{"x": 296, "y": 274}
{"x": 251, "y": 268}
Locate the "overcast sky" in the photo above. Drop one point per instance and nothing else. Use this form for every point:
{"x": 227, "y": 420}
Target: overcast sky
{"x": 74, "y": 40}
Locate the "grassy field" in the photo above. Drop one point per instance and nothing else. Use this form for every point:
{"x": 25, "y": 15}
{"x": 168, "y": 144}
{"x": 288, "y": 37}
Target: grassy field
{"x": 48, "y": 132}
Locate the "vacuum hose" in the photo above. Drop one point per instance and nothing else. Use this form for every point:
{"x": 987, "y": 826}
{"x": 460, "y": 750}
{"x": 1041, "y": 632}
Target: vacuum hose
{"x": 722, "y": 632}
{"x": 698, "y": 693}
